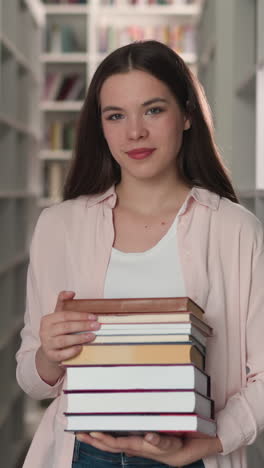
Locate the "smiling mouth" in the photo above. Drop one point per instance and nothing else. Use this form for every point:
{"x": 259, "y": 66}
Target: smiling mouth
{"x": 140, "y": 153}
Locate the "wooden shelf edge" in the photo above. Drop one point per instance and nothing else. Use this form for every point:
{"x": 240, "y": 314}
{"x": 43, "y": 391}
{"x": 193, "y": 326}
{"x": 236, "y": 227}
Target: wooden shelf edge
{"x": 65, "y": 57}
{"x": 248, "y": 194}
{"x": 16, "y": 125}
{"x": 15, "y": 194}
{"x": 45, "y": 202}
{"x": 61, "y": 106}
{"x": 190, "y": 12}
{"x": 67, "y": 9}
{"x": 37, "y": 10}
{"x": 63, "y": 155}
{"x": 19, "y": 56}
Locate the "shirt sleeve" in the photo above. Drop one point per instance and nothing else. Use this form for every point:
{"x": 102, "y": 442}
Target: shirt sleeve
{"x": 242, "y": 419}
{"x": 45, "y": 279}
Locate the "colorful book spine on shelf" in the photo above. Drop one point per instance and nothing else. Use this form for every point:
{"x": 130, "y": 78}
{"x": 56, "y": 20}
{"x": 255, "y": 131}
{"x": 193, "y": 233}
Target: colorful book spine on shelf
{"x": 60, "y": 87}
{"x": 60, "y": 135}
{"x": 181, "y": 38}
{"x": 61, "y": 39}
{"x": 54, "y": 176}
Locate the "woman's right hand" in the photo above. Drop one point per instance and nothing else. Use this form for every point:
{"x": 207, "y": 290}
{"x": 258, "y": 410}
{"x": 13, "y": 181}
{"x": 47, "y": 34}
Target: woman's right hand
{"x": 60, "y": 339}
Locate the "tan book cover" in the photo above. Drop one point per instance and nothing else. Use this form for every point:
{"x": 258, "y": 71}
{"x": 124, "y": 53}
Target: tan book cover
{"x": 135, "y": 354}
{"x": 135, "y": 305}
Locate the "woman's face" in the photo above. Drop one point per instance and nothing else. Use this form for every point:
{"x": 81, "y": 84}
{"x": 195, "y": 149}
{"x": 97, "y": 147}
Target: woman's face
{"x": 142, "y": 124}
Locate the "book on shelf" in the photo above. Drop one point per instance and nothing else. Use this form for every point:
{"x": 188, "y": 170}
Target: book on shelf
{"x": 144, "y": 377}
{"x": 54, "y": 177}
{"x": 171, "y": 423}
{"x": 139, "y": 401}
{"x": 60, "y": 87}
{"x": 60, "y": 134}
{"x": 181, "y": 38}
{"x": 142, "y": 353}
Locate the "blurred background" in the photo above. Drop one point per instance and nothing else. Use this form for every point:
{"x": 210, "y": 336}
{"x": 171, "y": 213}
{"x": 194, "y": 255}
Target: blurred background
{"x": 48, "y": 54}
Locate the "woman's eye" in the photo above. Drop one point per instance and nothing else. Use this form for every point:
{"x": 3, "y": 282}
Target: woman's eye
{"x": 154, "y": 110}
{"x": 114, "y": 117}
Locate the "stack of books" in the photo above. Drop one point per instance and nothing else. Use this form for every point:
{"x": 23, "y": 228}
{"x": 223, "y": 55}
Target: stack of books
{"x": 145, "y": 370}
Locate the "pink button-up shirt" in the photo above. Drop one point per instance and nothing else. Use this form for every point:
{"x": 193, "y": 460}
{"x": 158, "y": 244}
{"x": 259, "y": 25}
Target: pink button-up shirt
{"x": 222, "y": 257}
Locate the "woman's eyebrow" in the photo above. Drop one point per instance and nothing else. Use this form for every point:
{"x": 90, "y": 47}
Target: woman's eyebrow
{"x": 146, "y": 103}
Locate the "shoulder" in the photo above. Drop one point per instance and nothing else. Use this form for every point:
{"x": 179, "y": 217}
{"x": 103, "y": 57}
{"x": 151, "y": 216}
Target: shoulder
{"x": 234, "y": 220}
{"x": 67, "y": 211}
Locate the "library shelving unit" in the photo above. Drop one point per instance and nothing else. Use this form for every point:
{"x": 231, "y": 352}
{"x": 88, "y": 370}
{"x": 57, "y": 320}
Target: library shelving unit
{"x": 78, "y": 37}
{"x": 20, "y": 85}
{"x": 231, "y": 68}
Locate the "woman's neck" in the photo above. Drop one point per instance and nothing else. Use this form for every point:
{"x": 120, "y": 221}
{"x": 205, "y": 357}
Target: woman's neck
{"x": 149, "y": 197}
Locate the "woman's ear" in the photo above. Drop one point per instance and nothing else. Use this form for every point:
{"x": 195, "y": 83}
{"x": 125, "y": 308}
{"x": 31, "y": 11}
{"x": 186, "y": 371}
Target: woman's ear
{"x": 187, "y": 123}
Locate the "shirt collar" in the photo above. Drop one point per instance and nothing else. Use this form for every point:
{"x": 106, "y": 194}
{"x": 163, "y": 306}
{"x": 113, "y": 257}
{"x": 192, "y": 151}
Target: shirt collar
{"x": 201, "y": 195}
{"x": 109, "y": 197}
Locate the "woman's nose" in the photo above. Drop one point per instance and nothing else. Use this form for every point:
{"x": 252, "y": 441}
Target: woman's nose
{"x": 136, "y": 129}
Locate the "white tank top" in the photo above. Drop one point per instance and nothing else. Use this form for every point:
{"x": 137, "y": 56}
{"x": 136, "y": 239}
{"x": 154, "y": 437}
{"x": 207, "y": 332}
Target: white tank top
{"x": 153, "y": 273}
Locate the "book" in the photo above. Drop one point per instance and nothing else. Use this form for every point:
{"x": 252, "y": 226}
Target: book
{"x": 162, "y": 317}
{"x": 146, "y": 353}
{"x": 171, "y": 376}
{"x": 151, "y": 328}
{"x": 154, "y": 401}
{"x": 137, "y": 422}
{"x": 170, "y": 338}
{"x": 135, "y": 305}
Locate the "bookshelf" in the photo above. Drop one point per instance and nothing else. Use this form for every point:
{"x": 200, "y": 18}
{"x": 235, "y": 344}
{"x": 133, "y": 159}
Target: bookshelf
{"x": 20, "y": 123}
{"x": 91, "y": 30}
{"x": 231, "y": 68}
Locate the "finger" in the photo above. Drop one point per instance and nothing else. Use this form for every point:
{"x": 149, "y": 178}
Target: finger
{"x": 63, "y": 296}
{"x": 61, "y": 355}
{"x": 70, "y": 316}
{"x": 65, "y": 328}
{"x": 67, "y": 341}
{"x": 99, "y": 444}
{"x": 163, "y": 442}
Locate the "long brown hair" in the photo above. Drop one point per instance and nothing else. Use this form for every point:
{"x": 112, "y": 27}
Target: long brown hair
{"x": 93, "y": 169}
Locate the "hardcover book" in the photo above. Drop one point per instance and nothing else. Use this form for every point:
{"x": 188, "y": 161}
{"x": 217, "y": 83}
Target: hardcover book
{"x": 146, "y": 353}
{"x": 174, "y": 423}
{"x": 138, "y": 377}
{"x": 139, "y": 401}
{"x": 135, "y": 305}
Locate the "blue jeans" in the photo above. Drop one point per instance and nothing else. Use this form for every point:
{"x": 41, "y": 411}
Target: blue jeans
{"x": 85, "y": 456}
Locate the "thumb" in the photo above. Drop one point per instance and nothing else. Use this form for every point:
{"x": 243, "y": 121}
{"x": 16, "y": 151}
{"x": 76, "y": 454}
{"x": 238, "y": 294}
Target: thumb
{"x": 63, "y": 296}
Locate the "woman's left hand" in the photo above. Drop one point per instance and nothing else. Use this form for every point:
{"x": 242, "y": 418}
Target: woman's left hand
{"x": 168, "y": 449}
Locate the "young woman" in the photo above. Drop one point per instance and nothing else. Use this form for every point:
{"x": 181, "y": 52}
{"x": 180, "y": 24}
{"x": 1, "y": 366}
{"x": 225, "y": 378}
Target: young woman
{"x": 149, "y": 210}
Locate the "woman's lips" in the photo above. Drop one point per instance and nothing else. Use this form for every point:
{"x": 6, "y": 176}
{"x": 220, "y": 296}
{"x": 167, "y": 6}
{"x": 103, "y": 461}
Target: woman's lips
{"x": 140, "y": 153}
